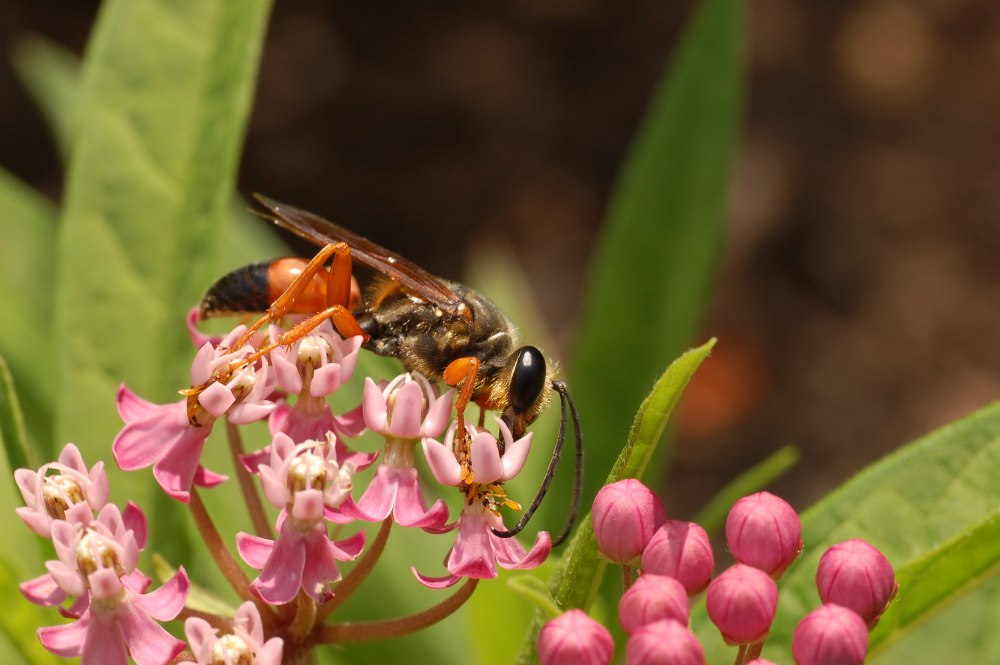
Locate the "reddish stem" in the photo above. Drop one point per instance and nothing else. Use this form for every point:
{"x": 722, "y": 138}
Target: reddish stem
{"x": 377, "y": 630}
{"x": 347, "y": 586}
{"x": 261, "y": 525}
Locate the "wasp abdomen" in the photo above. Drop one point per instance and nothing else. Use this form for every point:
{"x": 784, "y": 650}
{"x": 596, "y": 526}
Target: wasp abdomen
{"x": 243, "y": 290}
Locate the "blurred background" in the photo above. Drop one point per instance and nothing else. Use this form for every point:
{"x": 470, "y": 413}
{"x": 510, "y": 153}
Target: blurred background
{"x": 857, "y": 297}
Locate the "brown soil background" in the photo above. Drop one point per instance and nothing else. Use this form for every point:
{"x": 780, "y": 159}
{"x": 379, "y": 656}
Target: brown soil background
{"x": 857, "y": 301}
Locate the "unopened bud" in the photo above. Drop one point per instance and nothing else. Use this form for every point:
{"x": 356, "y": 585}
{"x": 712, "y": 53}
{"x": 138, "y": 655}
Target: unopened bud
{"x": 574, "y": 638}
{"x": 680, "y": 550}
{"x": 665, "y": 642}
{"x": 763, "y": 531}
{"x": 625, "y": 515}
{"x": 830, "y": 635}
{"x": 856, "y": 575}
{"x": 741, "y": 603}
{"x": 653, "y": 598}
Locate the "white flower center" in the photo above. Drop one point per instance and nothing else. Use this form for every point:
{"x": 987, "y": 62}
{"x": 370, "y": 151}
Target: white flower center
{"x": 231, "y": 650}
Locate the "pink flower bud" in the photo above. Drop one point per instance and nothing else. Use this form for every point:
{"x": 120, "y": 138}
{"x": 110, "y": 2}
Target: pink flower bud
{"x": 574, "y": 638}
{"x": 664, "y": 643}
{"x": 763, "y": 531}
{"x": 856, "y": 575}
{"x": 653, "y": 598}
{"x": 680, "y": 550}
{"x": 625, "y": 515}
{"x": 830, "y": 635}
{"x": 761, "y": 661}
{"x": 741, "y": 603}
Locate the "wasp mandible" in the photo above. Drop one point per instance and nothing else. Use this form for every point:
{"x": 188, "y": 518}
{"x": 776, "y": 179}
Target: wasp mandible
{"x": 442, "y": 329}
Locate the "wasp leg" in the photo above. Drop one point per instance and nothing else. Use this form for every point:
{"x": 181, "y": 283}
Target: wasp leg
{"x": 462, "y": 372}
{"x": 341, "y": 317}
{"x": 283, "y": 304}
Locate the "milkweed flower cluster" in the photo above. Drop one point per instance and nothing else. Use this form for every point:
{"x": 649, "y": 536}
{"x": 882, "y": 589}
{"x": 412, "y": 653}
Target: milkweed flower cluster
{"x": 855, "y": 581}
{"x": 309, "y": 476}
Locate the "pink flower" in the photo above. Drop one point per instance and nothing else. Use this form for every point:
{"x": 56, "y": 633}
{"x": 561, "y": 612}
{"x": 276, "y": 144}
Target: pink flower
{"x": 479, "y": 472}
{"x": 763, "y": 531}
{"x": 97, "y": 564}
{"x": 63, "y": 490}
{"x": 666, "y": 642}
{"x": 625, "y": 515}
{"x": 303, "y": 557}
{"x": 652, "y": 598}
{"x": 830, "y": 635}
{"x": 317, "y": 364}
{"x": 121, "y": 622}
{"x": 161, "y": 435}
{"x": 313, "y": 419}
{"x": 244, "y": 645}
{"x": 407, "y": 407}
{"x": 303, "y": 480}
{"x": 741, "y": 602}
{"x": 573, "y": 638}
{"x": 680, "y": 550}
{"x": 856, "y": 575}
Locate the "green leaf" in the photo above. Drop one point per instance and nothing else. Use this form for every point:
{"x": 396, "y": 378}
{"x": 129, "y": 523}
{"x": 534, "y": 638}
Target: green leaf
{"x": 650, "y": 280}
{"x": 12, "y": 431}
{"x": 164, "y": 99}
{"x": 933, "y": 508}
{"x": 27, "y": 226}
{"x": 581, "y": 570}
{"x": 51, "y": 74}
{"x": 713, "y": 515}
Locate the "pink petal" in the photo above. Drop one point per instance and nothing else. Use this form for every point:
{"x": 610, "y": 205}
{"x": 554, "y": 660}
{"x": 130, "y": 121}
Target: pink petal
{"x": 515, "y": 455}
{"x": 207, "y": 478}
{"x": 436, "y": 582}
{"x": 407, "y": 412}
{"x": 38, "y": 522}
{"x": 325, "y": 380}
{"x": 271, "y": 652}
{"x": 442, "y": 463}
{"x": 148, "y": 642}
{"x": 166, "y": 602}
{"x": 198, "y": 338}
{"x": 132, "y": 407}
{"x": 378, "y": 499}
{"x": 308, "y": 504}
{"x": 352, "y": 423}
{"x": 254, "y": 550}
{"x": 374, "y": 407}
{"x": 216, "y": 398}
{"x": 43, "y": 590}
{"x": 513, "y": 558}
{"x": 198, "y": 632}
{"x": 349, "y": 548}
{"x": 281, "y": 576}
{"x": 473, "y": 555}
{"x": 248, "y": 411}
{"x": 201, "y": 370}
{"x": 71, "y": 457}
{"x": 176, "y": 469}
{"x": 65, "y": 640}
{"x": 486, "y": 466}
{"x": 287, "y": 372}
{"x": 135, "y": 519}
{"x": 247, "y": 619}
{"x": 66, "y": 577}
{"x": 411, "y": 509}
{"x": 320, "y": 569}
{"x": 438, "y": 415}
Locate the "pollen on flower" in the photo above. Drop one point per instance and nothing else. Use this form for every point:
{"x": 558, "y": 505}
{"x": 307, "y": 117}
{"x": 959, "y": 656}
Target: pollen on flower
{"x": 59, "y": 492}
{"x": 231, "y": 649}
{"x": 94, "y": 552}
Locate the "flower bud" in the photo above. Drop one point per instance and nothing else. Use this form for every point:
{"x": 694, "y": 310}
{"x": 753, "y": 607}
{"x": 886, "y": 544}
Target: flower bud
{"x": 653, "y": 598}
{"x": 763, "y": 531}
{"x": 680, "y": 550}
{"x": 664, "y": 642}
{"x": 857, "y": 576}
{"x": 573, "y": 638}
{"x": 741, "y": 603}
{"x": 830, "y": 635}
{"x": 625, "y": 515}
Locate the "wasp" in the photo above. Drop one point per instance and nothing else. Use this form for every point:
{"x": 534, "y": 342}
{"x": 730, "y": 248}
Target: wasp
{"x": 442, "y": 329}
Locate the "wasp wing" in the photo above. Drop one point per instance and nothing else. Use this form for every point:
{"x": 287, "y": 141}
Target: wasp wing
{"x": 320, "y": 231}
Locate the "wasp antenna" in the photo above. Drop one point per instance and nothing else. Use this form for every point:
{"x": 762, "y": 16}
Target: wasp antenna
{"x": 564, "y": 398}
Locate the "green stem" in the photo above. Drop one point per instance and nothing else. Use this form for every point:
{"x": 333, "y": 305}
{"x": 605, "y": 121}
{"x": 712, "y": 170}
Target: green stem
{"x": 305, "y": 616}
{"x": 379, "y": 630}
{"x": 350, "y": 583}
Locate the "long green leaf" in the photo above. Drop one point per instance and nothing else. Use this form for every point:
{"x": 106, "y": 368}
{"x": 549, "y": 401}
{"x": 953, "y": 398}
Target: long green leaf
{"x": 27, "y": 227}
{"x": 655, "y": 260}
{"x": 933, "y": 508}
{"x": 13, "y": 433}
{"x": 581, "y": 570}
{"x": 164, "y": 100}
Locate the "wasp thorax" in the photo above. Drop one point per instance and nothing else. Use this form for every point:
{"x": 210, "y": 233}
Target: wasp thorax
{"x": 59, "y": 492}
{"x": 231, "y": 650}
{"x": 307, "y": 471}
{"x": 96, "y": 551}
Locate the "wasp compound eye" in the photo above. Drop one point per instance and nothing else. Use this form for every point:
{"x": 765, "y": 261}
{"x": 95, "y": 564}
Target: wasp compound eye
{"x": 528, "y": 379}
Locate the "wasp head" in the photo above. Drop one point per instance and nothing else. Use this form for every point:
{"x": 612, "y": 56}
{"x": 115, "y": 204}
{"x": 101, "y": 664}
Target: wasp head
{"x": 528, "y": 388}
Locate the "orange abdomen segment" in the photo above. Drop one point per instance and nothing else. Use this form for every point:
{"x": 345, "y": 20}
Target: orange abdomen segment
{"x": 281, "y": 274}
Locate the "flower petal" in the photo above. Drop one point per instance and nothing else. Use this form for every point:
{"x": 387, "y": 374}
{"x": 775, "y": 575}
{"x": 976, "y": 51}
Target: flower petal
{"x": 374, "y": 407}
{"x": 442, "y": 462}
{"x": 438, "y": 415}
{"x": 436, "y": 582}
{"x": 515, "y": 455}
{"x": 486, "y": 465}
{"x": 65, "y": 640}
{"x": 148, "y": 642}
{"x": 253, "y": 549}
{"x": 407, "y": 412}
{"x": 166, "y": 602}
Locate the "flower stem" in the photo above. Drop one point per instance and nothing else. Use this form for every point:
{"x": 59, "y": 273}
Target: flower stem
{"x": 741, "y": 655}
{"x": 626, "y": 577}
{"x": 346, "y": 587}
{"x": 214, "y": 620}
{"x": 377, "y": 630}
{"x": 223, "y": 559}
{"x": 261, "y": 525}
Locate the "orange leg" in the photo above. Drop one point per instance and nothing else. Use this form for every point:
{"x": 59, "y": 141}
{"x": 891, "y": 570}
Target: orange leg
{"x": 339, "y": 251}
{"x": 462, "y": 371}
